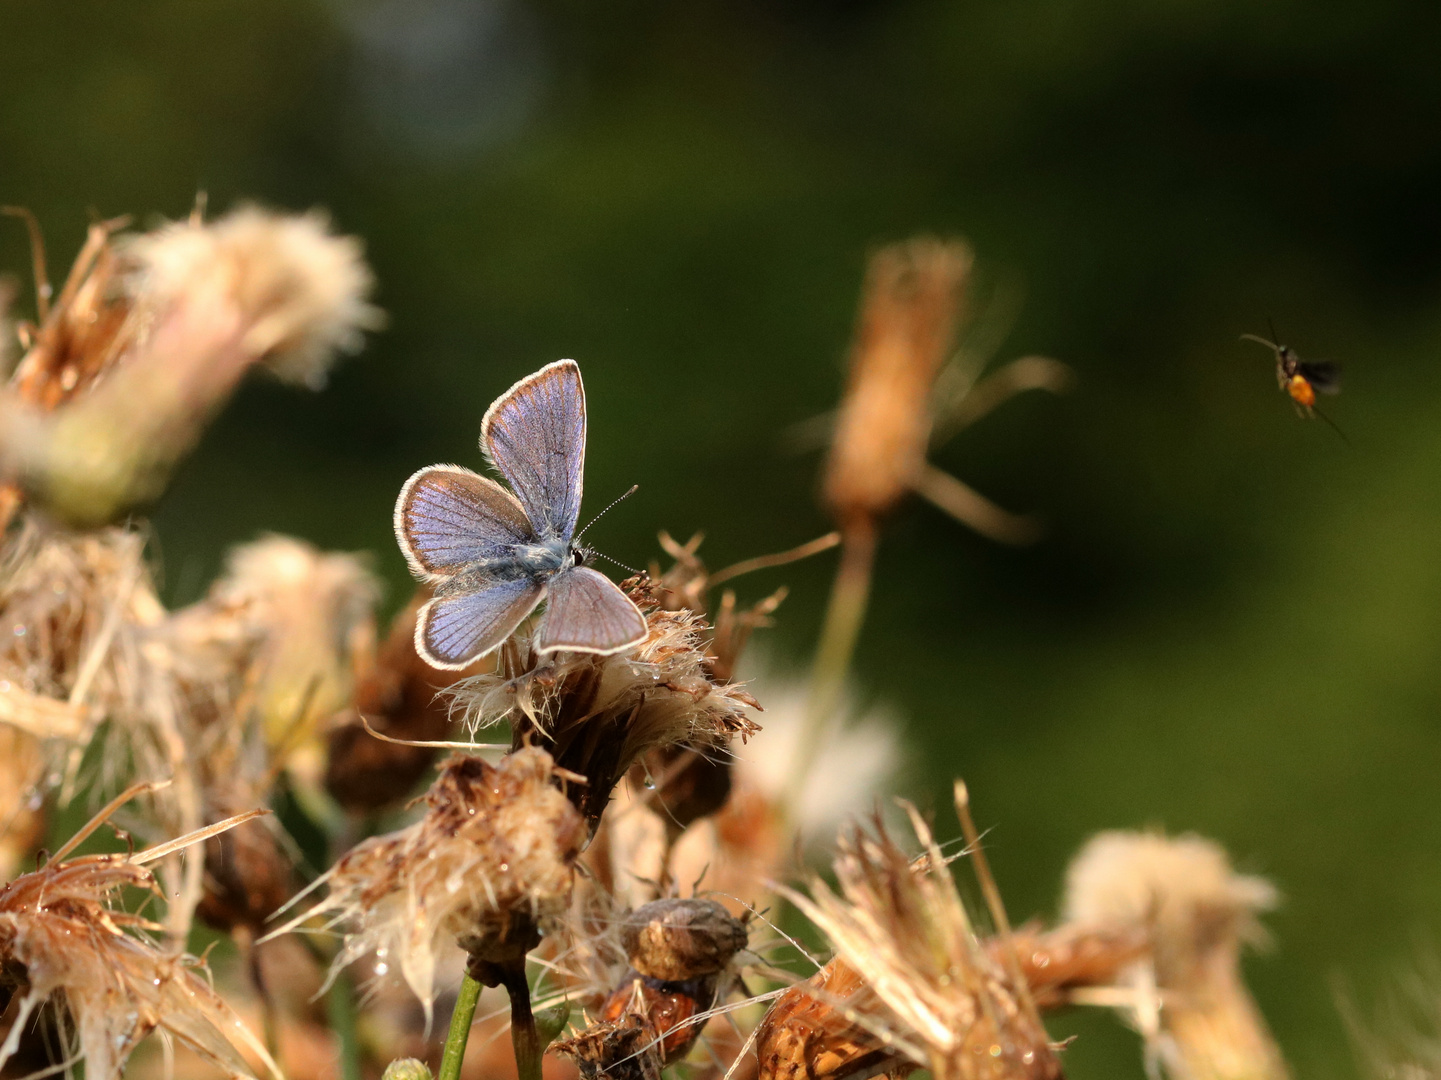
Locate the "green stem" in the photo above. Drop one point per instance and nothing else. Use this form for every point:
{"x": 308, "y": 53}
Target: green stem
{"x": 523, "y": 1034}
{"x": 459, "y": 1033}
{"x": 844, "y": 615}
{"x": 340, "y": 1004}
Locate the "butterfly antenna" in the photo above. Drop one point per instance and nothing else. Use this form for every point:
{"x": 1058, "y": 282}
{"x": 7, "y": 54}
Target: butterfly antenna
{"x": 632, "y": 569}
{"x": 633, "y": 489}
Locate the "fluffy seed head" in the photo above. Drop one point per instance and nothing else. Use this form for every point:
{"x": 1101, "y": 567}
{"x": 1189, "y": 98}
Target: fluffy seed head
{"x": 942, "y": 1001}
{"x": 298, "y": 616}
{"x": 64, "y": 942}
{"x": 1196, "y": 913}
{"x": 300, "y": 289}
{"x": 491, "y": 857}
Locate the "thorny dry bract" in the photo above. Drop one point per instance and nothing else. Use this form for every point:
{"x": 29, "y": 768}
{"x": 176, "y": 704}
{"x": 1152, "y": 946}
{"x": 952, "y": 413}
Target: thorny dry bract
{"x": 63, "y": 940}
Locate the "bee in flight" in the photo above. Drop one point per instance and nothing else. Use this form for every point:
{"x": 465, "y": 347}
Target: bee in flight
{"x": 1301, "y": 380}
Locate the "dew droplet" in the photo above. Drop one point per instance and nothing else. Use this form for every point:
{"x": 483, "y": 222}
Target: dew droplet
{"x": 382, "y": 968}
{"x": 649, "y": 784}
{"x": 19, "y": 630}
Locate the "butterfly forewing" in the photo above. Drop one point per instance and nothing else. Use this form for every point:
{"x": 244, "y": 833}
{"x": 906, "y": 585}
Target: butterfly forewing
{"x": 455, "y": 631}
{"x": 535, "y": 435}
{"x": 587, "y": 612}
{"x": 448, "y": 518}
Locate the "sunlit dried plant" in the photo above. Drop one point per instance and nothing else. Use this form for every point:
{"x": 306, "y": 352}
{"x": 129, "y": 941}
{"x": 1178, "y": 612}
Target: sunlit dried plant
{"x": 397, "y": 696}
{"x": 1189, "y": 999}
{"x": 174, "y": 318}
{"x": 680, "y": 954}
{"x": 933, "y": 994}
{"x": 599, "y": 714}
{"x": 64, "y": 940}
{"x": 489, "y": 865}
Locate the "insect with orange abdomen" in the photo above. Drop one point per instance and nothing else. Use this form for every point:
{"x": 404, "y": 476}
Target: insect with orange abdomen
{"x": 1301, "y": 380}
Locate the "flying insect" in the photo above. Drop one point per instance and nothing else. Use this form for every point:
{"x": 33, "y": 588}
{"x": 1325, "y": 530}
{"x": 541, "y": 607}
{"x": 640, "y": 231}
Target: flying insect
{"x": 1301, "y": 380}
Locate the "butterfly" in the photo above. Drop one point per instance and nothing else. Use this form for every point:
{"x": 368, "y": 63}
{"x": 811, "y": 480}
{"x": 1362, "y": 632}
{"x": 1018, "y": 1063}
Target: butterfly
{"x": 493, "y": 555}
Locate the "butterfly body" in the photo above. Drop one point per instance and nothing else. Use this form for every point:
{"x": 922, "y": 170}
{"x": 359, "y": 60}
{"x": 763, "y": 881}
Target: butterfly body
{"x": 494, "y": 554}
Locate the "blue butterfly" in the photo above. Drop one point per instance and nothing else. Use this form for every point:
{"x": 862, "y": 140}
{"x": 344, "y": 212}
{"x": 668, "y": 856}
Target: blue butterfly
{"x": 493, "y": 556}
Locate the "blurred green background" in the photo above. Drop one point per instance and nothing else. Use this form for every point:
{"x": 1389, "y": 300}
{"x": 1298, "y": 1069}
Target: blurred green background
{"x": 1234, "y": 623}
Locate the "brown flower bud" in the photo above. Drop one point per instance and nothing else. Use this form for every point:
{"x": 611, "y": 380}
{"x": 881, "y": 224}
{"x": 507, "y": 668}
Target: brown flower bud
{"x": 676, "y": 939}
{"x": 910, "y": 308}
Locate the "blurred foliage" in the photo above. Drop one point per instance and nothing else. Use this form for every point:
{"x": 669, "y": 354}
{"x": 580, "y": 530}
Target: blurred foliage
{"x": 1234, "y": 623}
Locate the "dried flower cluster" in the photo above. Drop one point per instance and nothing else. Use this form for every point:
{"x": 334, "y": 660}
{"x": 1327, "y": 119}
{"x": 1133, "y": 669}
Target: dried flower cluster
{"x": 620, "y": 857}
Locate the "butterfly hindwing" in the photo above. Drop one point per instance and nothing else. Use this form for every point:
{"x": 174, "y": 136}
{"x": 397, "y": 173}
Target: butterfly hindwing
{"x": 535, "y": 436}
{"x": 448, "y": 518}
{"x": 587, "y": 612}
{"x": 454, "y": 631}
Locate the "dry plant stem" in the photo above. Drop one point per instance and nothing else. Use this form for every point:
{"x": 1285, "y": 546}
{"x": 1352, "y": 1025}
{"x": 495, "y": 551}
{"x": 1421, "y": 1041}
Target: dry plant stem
{"x": 973, "y": 509}
{"x": 844, "y": 615}
{"x": 459, "y": 1033}
{"x": 523, "y": 1035}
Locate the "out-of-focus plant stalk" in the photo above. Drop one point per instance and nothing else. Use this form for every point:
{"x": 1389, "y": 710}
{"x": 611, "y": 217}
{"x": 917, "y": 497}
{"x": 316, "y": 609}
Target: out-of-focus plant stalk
{"x": 845, "y": 613}
{"x": 340, "y": 1004}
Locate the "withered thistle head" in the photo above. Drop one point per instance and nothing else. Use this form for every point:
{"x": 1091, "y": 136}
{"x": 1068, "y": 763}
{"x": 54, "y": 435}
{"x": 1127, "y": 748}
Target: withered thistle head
{"x": 939, "y": 997}
{"x": 64, "y": 941}
{"x": 286, "y": 623}
{"x": 1196, "y": 913}
{"x": 910, "y": 307}
{"x": 489, "y": 864}
{"x": 599, "y": 714}
{"x": 189, "y": 309}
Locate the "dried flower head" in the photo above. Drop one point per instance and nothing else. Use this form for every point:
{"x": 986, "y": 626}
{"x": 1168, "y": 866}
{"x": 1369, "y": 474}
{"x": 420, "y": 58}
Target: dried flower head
{"x": 179, "y": 316}
{"x": 489, "y": 862}
{"x": 599, "y": 714}
{"x": 910, "y": 308}
{"x": 397, "y": 695}
{"x": 299, "y": 289}
{"x": 1197, "y": 913}
{"x": 940, "y": 998}
{"x": 910, "y": 388}
{"x": 62, "y": 940}
{"x": 292, "y": 621}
